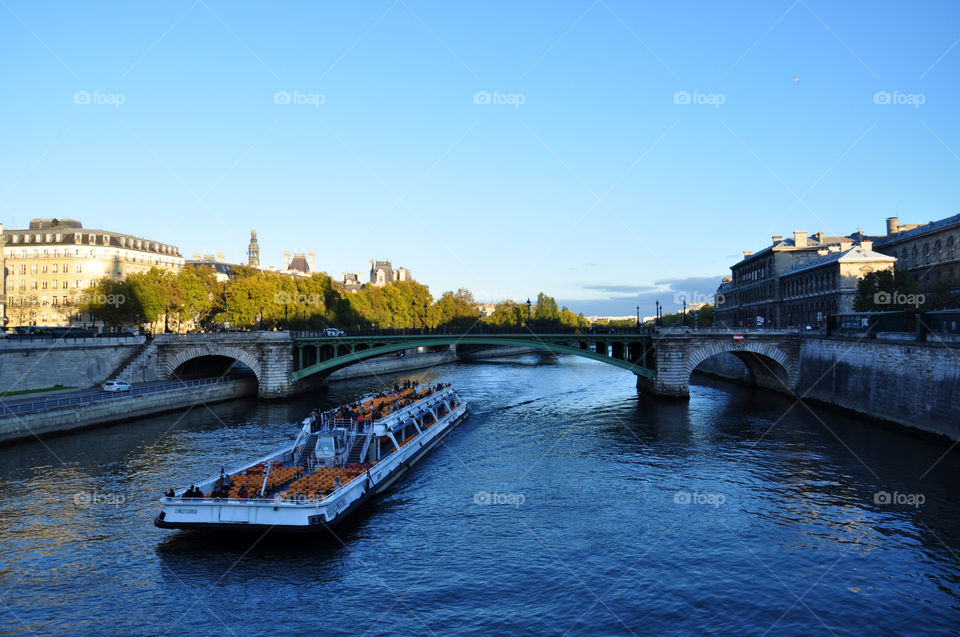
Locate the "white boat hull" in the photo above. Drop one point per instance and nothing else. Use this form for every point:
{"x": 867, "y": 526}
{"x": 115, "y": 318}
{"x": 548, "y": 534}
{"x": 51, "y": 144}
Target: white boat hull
{"x": 307, "y": 517}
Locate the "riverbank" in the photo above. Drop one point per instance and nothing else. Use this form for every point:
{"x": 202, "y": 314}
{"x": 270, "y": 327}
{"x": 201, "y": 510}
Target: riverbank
{"x": 898, "y": 384}
{"x": 119, "y": 409}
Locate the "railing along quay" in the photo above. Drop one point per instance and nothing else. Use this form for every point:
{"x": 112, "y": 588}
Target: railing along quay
{"x": 97, "y": 395}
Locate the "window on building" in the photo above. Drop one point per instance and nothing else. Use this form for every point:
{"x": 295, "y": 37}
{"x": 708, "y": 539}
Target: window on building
{"x": 43, "y": 285}
{"x": 59, "y": 237}
{"x": 91, "y": 238}
{"x": 937, "y": 252}
{"x": 926, "y": 253}
{"x": 78, "y": 268}
{"x": 33, "y": 268}
{"x": 33, "y": 285}
{"x": 950, "y": 248}
{"x": 77, "y": 284}
{"x": 23, "y": 268}
{"x": 43, "y": 268}
{"x": 53, "y": 268}
{"x": 66, "y": 284}
{"x": 23, "y": 285}
{"x": 53, "y": 284}
{"x": 64, "y": 267}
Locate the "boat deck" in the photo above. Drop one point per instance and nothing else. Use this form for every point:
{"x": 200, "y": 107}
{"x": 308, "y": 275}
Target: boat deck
{"x": 287, "y": 481}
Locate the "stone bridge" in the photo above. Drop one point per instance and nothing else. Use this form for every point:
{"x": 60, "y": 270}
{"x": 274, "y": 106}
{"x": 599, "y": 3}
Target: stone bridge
{"x": 662, "y": 359}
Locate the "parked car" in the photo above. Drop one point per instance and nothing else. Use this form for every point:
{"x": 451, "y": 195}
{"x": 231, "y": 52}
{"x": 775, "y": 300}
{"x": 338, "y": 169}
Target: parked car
{"x": 116, "y": 385}
{"x": 332, "y": 331}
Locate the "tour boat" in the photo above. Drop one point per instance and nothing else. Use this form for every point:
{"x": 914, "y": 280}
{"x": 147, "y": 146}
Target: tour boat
{"x": 339, "y": 459}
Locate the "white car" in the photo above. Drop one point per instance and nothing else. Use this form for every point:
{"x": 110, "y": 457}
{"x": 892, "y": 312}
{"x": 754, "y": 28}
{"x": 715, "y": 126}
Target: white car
{"x": 332, "y": 331}
{"x": 116, "y": 385}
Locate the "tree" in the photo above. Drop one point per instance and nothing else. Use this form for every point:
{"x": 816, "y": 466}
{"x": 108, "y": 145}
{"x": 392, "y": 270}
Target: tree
{"x": 885, "y": 290}
{"x": 545, "y": 312}
{"x": 457, "y": 309}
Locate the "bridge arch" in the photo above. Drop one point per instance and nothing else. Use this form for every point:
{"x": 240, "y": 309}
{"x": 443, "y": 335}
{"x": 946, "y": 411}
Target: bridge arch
{"x": 385, "y": 346}
{"x": 767, "y": 365}
{"x": 191, "y": 353}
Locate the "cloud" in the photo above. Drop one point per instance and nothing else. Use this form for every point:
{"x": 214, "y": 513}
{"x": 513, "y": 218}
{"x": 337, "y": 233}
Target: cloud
{"x": 620, "y": 289}
{"x": 622, "y": 300}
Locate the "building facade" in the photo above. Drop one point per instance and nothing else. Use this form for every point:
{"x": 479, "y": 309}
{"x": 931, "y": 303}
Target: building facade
{"x": 752, "y": 296}
{"x": 382, "y": 272}
{"x": 828, "y": 285}
{"x": 48, "y": 267}
{"x": 928, "y": 251}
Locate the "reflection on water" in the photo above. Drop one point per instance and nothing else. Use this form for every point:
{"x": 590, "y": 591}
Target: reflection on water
{"x": 609, "y": 511}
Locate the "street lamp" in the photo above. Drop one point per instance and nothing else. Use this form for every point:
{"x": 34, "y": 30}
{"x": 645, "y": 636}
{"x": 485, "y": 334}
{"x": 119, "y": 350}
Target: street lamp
{"x": 684, "y": 319}
{"x": 638, "y": 316}
{"x": 529, "y": 315}
{"x": 656, "y": 318}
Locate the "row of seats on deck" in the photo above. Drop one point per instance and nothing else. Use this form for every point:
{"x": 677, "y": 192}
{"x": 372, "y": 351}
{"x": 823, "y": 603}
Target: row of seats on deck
{"x": 320, "y": 483}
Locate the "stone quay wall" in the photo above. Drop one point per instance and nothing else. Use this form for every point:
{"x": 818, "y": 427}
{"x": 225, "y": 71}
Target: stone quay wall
{"x": 80, "y": 362}
{"x": 912, "y": 384}
{"x": 114, "y": 409}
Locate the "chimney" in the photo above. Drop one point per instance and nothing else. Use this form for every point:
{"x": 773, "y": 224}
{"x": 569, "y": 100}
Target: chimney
{"x": 747, "y": 253}
{"x": 196, "y": 256}
{"x": 845, "y": 244}
{"x": 220, "y": 257}
{"x": 893, "y": 225}
{"x": 822, "y": 252}
{"x": 286, "y": 259}
{"x": 777, "y": 239}
{"x": 866, "y": 244}
{"x": 313, "y": 261}
{"x": 800, "y": 239}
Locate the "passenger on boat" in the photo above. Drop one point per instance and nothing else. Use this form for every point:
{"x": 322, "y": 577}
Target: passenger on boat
{"x": 169, "y": 493}
{"x": 337, "y": 483}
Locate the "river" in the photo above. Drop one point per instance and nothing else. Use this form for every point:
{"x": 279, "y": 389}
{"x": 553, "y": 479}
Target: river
{"x": 565, "y": 504}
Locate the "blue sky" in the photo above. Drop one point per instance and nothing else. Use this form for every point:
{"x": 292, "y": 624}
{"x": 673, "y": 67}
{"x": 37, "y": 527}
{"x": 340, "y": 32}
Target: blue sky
{"x": 583, "y": 177}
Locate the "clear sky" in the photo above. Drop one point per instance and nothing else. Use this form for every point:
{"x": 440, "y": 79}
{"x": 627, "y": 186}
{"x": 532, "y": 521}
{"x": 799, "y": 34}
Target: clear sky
{"x": 353, "y": 129}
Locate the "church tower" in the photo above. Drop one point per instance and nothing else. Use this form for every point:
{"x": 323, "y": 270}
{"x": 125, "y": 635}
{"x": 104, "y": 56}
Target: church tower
{"x": 253, "y": 251}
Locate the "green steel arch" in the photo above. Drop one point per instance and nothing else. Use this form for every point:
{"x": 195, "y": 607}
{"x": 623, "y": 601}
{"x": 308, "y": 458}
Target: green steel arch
{"x": 378, "y": 346}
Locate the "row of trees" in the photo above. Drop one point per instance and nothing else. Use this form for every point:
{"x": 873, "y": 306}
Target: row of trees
{"x": 888, "y": 290}
{"x": 193, "y": 298}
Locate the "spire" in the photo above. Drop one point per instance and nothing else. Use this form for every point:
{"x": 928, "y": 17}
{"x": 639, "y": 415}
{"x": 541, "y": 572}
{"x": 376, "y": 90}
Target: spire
{"x": 253, "y": 251}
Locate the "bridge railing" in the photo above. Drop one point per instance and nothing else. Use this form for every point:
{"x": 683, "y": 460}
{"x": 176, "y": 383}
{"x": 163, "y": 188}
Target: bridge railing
{"x": 477, "y": 330}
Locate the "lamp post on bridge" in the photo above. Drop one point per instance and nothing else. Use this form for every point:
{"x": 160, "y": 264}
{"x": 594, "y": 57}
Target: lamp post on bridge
{"x": 656, "y": 316}
{"x": 684, "y": 319}
{"x": 638, "y": 316}
{"x": 529, "y": 314}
